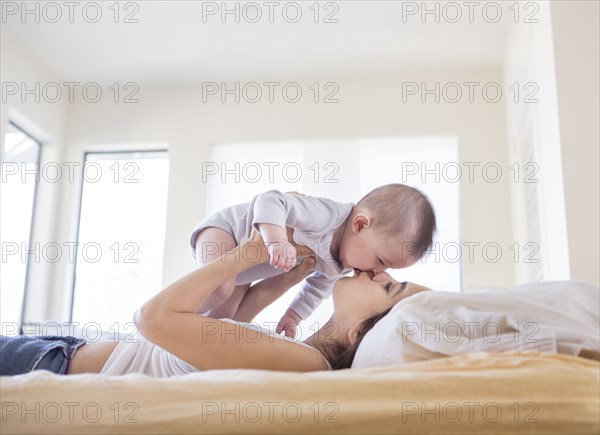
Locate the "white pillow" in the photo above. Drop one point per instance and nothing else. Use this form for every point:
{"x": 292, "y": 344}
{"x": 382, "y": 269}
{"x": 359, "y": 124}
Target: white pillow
{"x": 559, "y": 316}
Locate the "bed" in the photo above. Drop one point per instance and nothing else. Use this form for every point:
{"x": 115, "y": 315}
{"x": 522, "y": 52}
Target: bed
{"x": 524, "y": 392}
{"x": 490, "y": 380}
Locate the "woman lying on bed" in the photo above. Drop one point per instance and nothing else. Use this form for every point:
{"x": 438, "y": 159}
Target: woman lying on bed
{"x": 176, "y": 340}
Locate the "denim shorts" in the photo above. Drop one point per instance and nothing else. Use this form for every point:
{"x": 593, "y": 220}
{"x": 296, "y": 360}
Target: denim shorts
{"x": 23, "y": 354}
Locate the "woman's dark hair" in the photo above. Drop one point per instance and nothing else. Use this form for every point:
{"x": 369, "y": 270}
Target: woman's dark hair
{"x": 340, "y": 355}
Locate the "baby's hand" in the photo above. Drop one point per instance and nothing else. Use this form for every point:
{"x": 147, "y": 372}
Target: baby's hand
{"x": 283, "y": 255}
{"x": 288, "y": 323}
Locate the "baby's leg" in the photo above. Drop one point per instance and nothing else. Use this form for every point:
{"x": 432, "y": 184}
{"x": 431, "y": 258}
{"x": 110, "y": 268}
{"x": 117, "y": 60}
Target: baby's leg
{"x": 211, "y": 243}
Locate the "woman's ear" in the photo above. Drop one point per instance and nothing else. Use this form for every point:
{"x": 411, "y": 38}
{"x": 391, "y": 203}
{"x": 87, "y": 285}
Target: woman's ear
{"x": 360, "y": 222}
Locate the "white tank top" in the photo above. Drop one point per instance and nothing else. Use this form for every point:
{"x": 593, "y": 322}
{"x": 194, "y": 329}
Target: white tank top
{"x": 142, "y": 356}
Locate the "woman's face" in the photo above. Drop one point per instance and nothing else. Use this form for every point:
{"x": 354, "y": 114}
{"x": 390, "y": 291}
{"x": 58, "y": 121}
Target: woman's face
{"x": 365, "y": 294}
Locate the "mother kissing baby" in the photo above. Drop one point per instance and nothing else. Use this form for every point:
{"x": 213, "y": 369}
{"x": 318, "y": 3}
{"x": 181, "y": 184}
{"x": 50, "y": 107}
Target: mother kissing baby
{"x": 176, "y": 340}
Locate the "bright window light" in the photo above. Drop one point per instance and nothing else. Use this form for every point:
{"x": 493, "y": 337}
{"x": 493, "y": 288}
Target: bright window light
{"x": 345, "y": 171}
{"x": 20, "y": 168}
{"x": 121, "y": 237}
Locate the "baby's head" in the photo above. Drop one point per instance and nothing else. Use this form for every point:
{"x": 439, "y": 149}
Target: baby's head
{"x": 390, "y": 227}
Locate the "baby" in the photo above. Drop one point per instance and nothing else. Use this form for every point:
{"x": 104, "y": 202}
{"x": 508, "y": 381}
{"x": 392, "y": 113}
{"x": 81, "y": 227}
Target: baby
{"x": 391, "y": 227}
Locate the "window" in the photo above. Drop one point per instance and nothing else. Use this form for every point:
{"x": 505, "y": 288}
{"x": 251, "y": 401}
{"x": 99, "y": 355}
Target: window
{"x": 20, "y": 170}
{"x": 345, "y": 171}
{"x": 121, "y": 236}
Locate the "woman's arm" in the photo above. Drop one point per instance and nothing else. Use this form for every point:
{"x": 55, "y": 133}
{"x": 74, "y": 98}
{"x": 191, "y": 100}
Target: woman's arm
{"x": 169, "y": 320}
{"x": 189, "y": 292}
{"x": 265, "y": 292}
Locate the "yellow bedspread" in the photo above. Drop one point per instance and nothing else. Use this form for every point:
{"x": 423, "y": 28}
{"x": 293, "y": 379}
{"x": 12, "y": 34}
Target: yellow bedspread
{"x": 473, "y": 393}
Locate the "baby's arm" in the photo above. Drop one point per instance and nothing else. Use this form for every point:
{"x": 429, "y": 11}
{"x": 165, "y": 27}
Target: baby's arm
{"x": 308, "y": 213}
{"x": 281, "y": 252}
{"x": 273, "y": 210}
{"x": 314, "y": 289}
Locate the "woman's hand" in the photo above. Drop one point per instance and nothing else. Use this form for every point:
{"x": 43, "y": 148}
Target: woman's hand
{"x": 254, "y": 249}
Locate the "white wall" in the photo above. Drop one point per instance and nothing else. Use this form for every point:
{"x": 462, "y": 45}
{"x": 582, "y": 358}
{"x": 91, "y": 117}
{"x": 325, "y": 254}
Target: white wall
{"x": 369, "y": 107}
{"x": 576, "y": 45}
{"x": 175, "y": 115}
{"x": 560, "y": 54}
{"x": 46, "y": 122}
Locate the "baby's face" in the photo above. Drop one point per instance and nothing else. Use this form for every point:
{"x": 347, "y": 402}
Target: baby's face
{"x": 368, "y": 250}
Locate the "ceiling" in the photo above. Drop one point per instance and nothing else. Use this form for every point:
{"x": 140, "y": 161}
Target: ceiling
{"x": 173, "y": 42}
